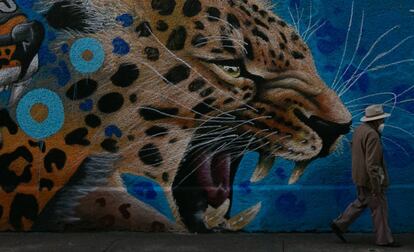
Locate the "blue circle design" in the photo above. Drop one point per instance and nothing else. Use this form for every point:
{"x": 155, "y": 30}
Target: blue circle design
{"x": 82, "y": 45}
{"x": 54, "y": 121}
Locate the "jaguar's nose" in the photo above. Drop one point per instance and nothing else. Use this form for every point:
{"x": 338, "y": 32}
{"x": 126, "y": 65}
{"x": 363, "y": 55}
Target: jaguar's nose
{"x": 328, "y": 131}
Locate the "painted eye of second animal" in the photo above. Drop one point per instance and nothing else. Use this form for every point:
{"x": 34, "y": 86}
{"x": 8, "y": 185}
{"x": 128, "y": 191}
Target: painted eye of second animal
{"x": 233, "y": 71}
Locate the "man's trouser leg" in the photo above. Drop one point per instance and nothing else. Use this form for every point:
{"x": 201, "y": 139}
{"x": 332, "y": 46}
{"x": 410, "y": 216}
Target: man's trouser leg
{"x": 379, "y": 210}
{"x": 353, "y": 210}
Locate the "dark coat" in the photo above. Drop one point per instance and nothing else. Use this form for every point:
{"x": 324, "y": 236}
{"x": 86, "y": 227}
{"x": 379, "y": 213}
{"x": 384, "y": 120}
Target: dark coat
{"x": 368, "y": 164}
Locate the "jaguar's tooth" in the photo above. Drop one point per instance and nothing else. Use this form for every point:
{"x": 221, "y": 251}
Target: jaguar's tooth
{"x": 298, "y": 171}
{"x": 213, "y": 217}
{"x": 17, "y": 91}
{"x": 263, "y": 168}
{"x": 241, "y": 220}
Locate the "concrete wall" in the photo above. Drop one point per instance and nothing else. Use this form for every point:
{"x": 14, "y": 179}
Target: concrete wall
{"x": 83, "y": 164}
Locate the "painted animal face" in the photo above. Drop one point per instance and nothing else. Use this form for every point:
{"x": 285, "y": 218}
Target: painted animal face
{"x": 20, "y": 40}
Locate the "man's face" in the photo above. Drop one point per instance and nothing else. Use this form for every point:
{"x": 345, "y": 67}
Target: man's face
{"x": 378, "y": 123}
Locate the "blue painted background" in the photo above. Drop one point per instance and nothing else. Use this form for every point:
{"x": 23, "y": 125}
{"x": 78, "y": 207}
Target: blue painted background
{"x": 326, "y": 188}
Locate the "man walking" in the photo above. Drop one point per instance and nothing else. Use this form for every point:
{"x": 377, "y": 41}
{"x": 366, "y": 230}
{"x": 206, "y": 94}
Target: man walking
{"x": 370, "y": 176}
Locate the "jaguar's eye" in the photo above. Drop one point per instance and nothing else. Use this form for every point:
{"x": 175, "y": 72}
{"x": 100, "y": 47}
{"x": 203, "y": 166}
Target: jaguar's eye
{"x": 233, "y": 71}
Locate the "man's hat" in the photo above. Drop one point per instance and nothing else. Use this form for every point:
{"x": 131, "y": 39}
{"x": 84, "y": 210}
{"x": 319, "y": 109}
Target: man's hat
{"x": 374, "y": 112}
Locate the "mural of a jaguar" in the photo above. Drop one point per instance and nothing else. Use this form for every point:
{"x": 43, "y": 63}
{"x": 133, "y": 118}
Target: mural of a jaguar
{"x": 175, "y": 91}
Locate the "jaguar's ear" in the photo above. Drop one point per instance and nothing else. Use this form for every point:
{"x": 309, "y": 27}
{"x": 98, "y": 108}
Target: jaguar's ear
{"x": 71, "y": 16}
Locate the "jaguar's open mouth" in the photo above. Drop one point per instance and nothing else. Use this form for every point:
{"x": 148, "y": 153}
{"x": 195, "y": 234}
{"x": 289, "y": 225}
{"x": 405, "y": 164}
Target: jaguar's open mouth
{"x": 203, "y": 185}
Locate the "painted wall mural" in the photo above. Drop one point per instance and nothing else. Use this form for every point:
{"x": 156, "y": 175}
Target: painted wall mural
{"x": 197, "y": 115}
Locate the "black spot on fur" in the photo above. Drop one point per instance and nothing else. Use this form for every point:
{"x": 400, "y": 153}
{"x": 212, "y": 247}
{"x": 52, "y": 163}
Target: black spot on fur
{"x": 6, "y": 121}
{"x": 199, "y": 25}
{"x": 150, "y": 113}
{"x": 82, "y": 89}
{"x": 263, "y": 13}
{"x": 213, "y": 14}
{"x": 247, "y": 96}
{"x": 164, "y": 7}
{"x": 177, "y": 38}
{"x": 261, "y": 125}
{"x": 152, "y": 53}
{"x": 123, "y": 209}
{"x": 282, "y": 46}
{"x": 203, "y": 107}
{"x": 282, "y": 23}
{"x": 249, "y": 49}
{"x": 260, "y": 23}
{"x": 54, "y": 158}
{"x": 207, "y": 92}
{"x": 196, "y": 85}
{"x": 9, "y": 180}
{"x": 228, "y": 100}
{"x": 271, "y": 20}
{"x": 298, "y": 55}
{"x": 260, "y": 34}
{"x": 287, "y": 63}
{"x": 294, "y": 36}
{"x": 110, "y": 145}
{"x": 199, "y": 40}
{"x": 150, "y": 155}
{"x": 216, "y": 50}
{"x": 165, "y": 176}
{"x": 92, "y": 121}
{"x": 191, "y": 8}
{"x": 77, "y": 137}
{"x": 177, "y": 74}
{"x": 23, "y": 205}
{"x": 231, "y": 3}
{"x": 41, "y": 145}
{"x": 283, "y": 37}
{"x": 133, "y": 98}
{"x": 143, "y": 29}
{"x": 46, "y": 183}
{"x": 126, "y": 75}
{"x": 156, "y": 131}
{"x": 111, "y": 102}
{"x": 245, "y": 10}
{"x": 232, "y": 19}
{"x": 228, "y": 45}
{"x": 162, "y": 26}
{"x": 69, "y": 15}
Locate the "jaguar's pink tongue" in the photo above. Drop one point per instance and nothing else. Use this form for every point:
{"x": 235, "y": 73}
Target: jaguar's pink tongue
{"x": 213, "y": 175}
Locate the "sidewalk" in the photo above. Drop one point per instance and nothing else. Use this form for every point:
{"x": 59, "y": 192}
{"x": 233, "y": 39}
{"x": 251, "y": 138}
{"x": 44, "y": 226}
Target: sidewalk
{"x": 240, "y": 242}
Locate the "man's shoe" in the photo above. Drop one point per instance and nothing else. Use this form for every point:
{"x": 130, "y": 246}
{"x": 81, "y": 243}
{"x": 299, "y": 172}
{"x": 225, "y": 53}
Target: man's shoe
{"x": 392, "y": 245}
{"x": 338, "y": 232}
